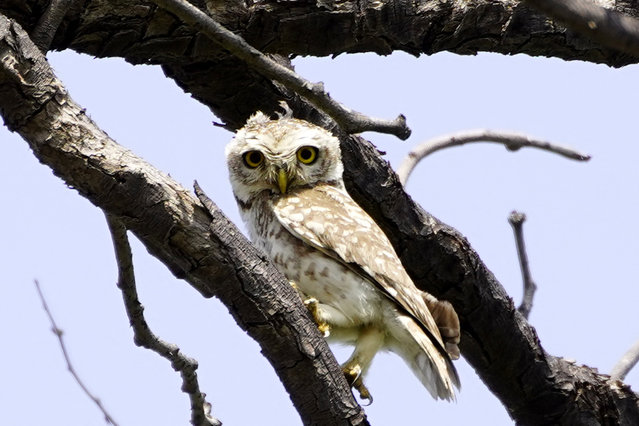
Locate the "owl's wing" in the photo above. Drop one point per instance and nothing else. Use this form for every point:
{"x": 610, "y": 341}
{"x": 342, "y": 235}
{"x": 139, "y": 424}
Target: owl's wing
{"x": 329, "y": 220}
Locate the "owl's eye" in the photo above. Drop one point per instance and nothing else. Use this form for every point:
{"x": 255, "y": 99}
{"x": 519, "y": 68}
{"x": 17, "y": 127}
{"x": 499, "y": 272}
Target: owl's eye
{"x": 307, "y": 154}
{"x": 253, "y": 159}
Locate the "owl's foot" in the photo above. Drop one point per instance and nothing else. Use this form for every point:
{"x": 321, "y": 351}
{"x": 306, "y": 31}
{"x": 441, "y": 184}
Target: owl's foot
{"x": 312, "y": 304}
{"x": 353, "y": 373}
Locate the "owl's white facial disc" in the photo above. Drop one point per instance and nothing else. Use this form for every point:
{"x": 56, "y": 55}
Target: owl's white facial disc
{"x": 264, "y": 150}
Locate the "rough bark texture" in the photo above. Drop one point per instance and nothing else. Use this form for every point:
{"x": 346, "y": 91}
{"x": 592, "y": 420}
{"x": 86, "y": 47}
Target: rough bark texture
{"x": 209, "y": 253}
{"x": 535, "y": 387}
{"x": 141, "y": 33}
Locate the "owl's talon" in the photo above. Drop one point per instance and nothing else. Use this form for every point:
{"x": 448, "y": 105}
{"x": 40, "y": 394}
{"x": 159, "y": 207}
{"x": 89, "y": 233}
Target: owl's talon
{"x": 325, "y": 329}
{"x": 353, "y": 373}
{"x": 312, "y": 304}
{"x": 364, "y": 393}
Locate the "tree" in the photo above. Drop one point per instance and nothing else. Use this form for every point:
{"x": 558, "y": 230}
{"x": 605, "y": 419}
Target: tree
{"x": 549, "y": 388}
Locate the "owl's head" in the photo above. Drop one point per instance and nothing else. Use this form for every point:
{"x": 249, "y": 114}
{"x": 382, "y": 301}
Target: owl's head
{"x": 281, "y": 155}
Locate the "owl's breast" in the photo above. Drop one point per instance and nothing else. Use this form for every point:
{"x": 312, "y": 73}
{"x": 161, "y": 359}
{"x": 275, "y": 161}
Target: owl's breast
{"x": 315, "y": 273}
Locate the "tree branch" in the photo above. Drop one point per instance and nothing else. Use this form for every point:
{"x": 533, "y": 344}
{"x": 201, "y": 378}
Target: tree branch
{"x": 141, "y": 33}
{"x": 59, "y": 333}
{"x": 604, "y": 25}
{"x": 349, "y": 120}
{"x": 517, "y": 220}
{"x": 142, "y": 334}
{"x": 626, "y": 363}
{"x": 214, "y": 257}
{"x": 511, "y": 140}
{"x": 49, "y": 22}
{"x": 503, "y": 348}
{"x": 535, "y": 387}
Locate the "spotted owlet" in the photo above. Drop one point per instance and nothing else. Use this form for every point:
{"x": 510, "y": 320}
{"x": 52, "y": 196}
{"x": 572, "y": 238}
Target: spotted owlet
{"x": 286, "y": 175}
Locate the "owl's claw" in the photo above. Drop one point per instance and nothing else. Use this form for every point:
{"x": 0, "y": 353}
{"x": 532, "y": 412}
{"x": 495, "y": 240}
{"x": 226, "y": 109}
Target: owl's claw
{"x": 312, "y": 304}
{"x": 353, "y": 373}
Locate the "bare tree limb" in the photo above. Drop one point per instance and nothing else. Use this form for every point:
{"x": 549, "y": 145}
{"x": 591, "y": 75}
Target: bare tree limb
{"x": 45, "y": 30}
{"x": 59, "y": 334}
{"x": 512, "y": 141}
{"x": 142, "y": 334}
{"x": 536, "y": 388}
{"x": 211, "y": 255}
{"x": 606, "y": 26}
{"x": 517, "y": 219}
{"x": 141, "y": 33}
{"x": 349, "y": 120}
{"x": 626, "y": 363}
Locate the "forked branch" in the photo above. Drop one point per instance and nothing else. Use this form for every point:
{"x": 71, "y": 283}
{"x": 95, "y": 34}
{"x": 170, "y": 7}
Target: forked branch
{"x": 511, "y": 140}
{"x": 349, "y": 120}
{"x": 143, "y": 336}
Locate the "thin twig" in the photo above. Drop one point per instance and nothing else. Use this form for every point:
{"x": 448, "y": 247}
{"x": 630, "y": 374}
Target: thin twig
{"x": 349, "y": 120}
{"x": 143, "y": 336}
{"x": 517, "y": 219}
{"x": 513, "y": 141}
{"x": 608, "y": 27}
{"x": 47, "y": 26}
{"x": 59, "y": 333}
{"x": 626, "y": 363}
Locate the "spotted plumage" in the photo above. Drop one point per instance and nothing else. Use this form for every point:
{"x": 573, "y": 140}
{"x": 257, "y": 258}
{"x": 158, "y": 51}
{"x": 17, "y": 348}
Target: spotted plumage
{"x": 287, "y": 178}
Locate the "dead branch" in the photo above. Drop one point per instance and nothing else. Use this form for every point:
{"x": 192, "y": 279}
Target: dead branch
{"x": 508, "y": 358}
{"x": 213, "y": 257}
{"x": 59, "y": 334}
{"x": 143, "y": 336}
{"x": 496, "y": 340}
{"x": 349, "y": 120}
{"x": 606, "y": 26}
{"x": 45, "y": 30}
{"x": 626, "y": 363}
{"x": 517, "y": 219}
{"x": 511, "y": 140}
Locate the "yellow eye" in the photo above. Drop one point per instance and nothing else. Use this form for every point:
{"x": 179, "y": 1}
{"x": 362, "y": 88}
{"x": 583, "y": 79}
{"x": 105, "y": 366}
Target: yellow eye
{"x": 253, "y": 158}
{"x": 307, "y": 154}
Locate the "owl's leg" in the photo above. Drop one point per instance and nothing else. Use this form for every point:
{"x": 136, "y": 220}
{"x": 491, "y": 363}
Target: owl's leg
{"x": 369, "y": 341}
{"x": 312, "y": 304}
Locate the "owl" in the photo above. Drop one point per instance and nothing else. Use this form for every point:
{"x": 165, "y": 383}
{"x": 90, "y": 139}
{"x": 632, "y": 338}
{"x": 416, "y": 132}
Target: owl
{"x": 286, "y": 176}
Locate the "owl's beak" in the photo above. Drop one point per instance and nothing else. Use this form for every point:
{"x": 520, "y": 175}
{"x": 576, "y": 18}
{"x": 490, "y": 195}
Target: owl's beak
{"x": 282, "y": 180}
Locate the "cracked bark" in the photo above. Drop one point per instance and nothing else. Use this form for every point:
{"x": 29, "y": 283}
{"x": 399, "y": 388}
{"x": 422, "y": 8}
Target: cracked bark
{"x": 211, "y": 254}
{"x": 535, "y": 387}
{"x": 142, "y": 33}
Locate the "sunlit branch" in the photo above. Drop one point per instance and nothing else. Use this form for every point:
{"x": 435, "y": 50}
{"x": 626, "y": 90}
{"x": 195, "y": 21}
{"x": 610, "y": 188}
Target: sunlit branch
{"x": 59, "y": 333}
{"x": 143, "y": 336}
{"x": 349, "y": 120}
{"x": 511, "y": 140}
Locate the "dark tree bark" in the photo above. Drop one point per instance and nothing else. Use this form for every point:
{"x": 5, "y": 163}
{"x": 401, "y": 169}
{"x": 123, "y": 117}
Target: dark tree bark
{"x": 210, "y": 253}
{"x": 535, "y": 387}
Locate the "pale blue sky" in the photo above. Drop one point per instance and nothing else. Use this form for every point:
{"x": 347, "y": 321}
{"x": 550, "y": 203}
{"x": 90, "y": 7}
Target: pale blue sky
{"x": 581, "y": 232}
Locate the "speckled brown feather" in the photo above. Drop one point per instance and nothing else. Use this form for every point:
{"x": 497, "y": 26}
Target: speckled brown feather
{"x": 329, "y": 220}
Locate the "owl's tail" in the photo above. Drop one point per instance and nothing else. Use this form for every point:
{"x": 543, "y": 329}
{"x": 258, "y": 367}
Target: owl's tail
{"x": 429, "y": 362}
